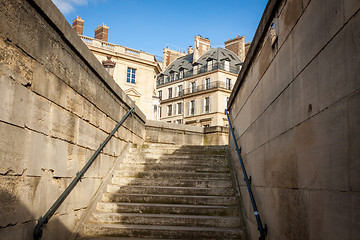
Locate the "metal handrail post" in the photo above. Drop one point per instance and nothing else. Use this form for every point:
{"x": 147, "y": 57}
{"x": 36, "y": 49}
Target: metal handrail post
{"x": 43, "y": 220}
{"x": 246, "y": 179}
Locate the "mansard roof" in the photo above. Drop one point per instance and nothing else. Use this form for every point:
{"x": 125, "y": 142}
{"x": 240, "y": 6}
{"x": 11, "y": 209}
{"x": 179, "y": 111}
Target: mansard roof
{"x": 217, "y": 54}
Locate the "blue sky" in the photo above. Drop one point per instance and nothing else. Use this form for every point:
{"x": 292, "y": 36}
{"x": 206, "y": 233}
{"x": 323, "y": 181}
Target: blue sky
{"x": 150, "y": 25}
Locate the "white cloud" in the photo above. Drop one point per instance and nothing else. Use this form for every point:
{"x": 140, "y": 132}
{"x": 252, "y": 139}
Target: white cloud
{"x": 67, "y": 6}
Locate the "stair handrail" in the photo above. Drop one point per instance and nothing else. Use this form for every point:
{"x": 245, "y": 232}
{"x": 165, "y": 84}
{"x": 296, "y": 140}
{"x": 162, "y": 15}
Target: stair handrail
{"x": 262, "y": 230}
{"x": 45, "y": 219}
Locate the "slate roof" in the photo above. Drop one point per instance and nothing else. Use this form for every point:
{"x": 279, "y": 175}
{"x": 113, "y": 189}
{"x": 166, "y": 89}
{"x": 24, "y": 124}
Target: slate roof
{"x": 218, "y": 54}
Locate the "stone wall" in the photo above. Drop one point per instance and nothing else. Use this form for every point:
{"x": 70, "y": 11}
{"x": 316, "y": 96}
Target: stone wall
{"x": 57, "y": 104}
{"x": 296, "y": 112}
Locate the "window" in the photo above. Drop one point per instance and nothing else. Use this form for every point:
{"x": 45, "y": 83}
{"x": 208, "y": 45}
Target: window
{"x": 209, "y": 65}
{"x": 169, "y": 110}
{"x": 180, "y": 90}
{"x": 227, "y": 66}
{"x": 207, "y": 83}
{"x": 181, "y": 74}
{"x": 172, "y": 76}
{"x": 207, "y": 105}
{"x": 160, "y": 112}
{"x": 192, "y": 108}
{"x": 130, "y": 78}
{"x": 179, "y": 121}
{"x": 193, "y": 87}
{"x": 170, "y": 92}
{"x": 228, "y": 83}
{"x": 160, "y": 94}
{"x": 179, "y": 108}
{"x": 195, "y": 69}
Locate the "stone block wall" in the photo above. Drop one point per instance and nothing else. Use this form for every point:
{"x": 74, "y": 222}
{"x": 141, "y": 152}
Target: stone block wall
{"x": 57, "y": 105}
{"x": 296, "y": 112}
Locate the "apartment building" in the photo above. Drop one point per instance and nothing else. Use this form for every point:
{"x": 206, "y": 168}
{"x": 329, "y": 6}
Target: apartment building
{"x": 134, "y": 71}
{"x": 194, "y": 89}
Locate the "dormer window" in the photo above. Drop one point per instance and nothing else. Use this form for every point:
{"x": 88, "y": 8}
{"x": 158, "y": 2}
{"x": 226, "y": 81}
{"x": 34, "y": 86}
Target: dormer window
{"x": 227, "y": 65}
{"x": 196, "y": 67}
{"x": 172, "y": 76}
{"x": 210, "y": 65}
{"x": 181, "y": 73}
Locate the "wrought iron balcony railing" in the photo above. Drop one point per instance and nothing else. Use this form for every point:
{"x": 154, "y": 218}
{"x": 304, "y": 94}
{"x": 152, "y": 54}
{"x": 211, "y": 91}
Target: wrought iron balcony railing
{"x": 192, "y": 72}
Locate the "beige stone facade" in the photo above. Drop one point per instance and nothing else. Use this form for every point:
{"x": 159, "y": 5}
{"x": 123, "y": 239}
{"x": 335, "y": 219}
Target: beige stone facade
{"x": 195, "y": 92}
{"x": 135, "y": 71}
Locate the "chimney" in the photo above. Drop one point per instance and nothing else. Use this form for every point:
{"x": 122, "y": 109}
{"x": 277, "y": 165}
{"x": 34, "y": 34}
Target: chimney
{"x": 101, "y": 32}
{"x": 190, "y": 49}
{"x": 170, "y": 55}
{"x": 237, "y": 46}
{"x": 201, "y": 46}
{"x": 78, "y": 25}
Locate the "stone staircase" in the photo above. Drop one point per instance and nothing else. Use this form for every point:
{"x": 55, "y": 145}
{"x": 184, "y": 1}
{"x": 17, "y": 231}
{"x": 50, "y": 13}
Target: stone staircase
{"x": 168, "y": 192}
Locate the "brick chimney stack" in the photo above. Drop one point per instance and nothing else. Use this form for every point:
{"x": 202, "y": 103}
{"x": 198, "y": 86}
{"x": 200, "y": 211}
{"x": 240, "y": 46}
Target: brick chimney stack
{"x": 78, "y": 25}
{"x": 190, "y": 49}
{"x": 101, "y": 32}
{"x": 201, "y": 46}
{"x": 237, "y": 46}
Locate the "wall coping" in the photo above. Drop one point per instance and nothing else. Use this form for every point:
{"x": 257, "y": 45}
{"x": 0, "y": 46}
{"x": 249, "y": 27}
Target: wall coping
{"x": 58, "y": 22}
{"x": 255, "y": 46}
{"x": 174, "y": 126}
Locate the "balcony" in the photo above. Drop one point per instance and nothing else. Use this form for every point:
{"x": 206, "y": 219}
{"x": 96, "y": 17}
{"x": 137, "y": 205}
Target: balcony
{"x": 216, "y": 66}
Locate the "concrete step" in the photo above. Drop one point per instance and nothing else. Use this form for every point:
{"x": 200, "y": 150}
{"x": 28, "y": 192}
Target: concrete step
{"x": 177, "y": 175}
{"x": 172, "y": 182}
{"x": 172, "y": 168}
{"x": 178, "y": 161}
{"x": 180, "y": 151}
{"x": 169, "y": 199}
{"x": 219, "y": 191}
{"x": 171, "y": 232}
{"x": 195, "y": 156}
{"x": 160, "y": 208}
{"x": 166, "y": 219}
{"x": 172, "y": 146}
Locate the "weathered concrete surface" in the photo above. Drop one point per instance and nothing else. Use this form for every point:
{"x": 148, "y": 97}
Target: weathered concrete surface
{"x": 57, "y": 104}
{"x": 296, "y": 112}
{"x": 171, "y": 133}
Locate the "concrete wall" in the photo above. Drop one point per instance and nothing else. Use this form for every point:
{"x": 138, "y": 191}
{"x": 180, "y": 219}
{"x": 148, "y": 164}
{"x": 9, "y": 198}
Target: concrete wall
{"x": 296, "y": 112}
{"x": 178, "y": 134}
{"x": 57, "y": 104}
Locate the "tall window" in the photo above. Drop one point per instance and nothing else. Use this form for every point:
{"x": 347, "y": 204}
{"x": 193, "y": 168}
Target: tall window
{"x": 160, "y": 94}
{"x": 196, "y": 69}
{"x": 170, "y": 92}
{"x": 207, "y": 83}
{"x": 180, "y": 90}
{"x": 193, "y": 87}
{"x": 179, "y": 108}
{"x": 227, "y": 66}
{"x": 192, "y": 107}
{"x": 209, "y": 65}
{"x": 228, "y": 83}
{"x": 130, "y": 78}
{"x": 169, "y": 110}
{"x": 207, "y": 105}
{"x": 181, "y": 74}
{"x": 172, "y": 76}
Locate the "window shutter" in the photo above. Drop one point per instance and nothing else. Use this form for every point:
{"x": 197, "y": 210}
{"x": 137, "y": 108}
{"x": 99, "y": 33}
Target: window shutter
{"x": 182, "y": 108}
{"x": 188, "y": 108}
{"x": 195, "y": 105}
{"x": 174, "y": 109}
{"x": 202, "y": 105}
{"x": 225, "y": 103}
{"x": 210, "y": 103}
{"x": 203, "y": 84}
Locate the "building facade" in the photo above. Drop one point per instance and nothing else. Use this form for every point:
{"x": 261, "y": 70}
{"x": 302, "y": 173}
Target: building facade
{"x": 134, "y": 71}
{"x": 194, "y": 89}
